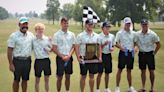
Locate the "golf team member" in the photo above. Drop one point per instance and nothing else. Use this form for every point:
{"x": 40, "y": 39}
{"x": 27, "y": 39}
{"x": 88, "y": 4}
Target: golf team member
{"x": 107, "y": 41}
{"x": 125, "y": 41}
{"x": 149, "y": 44}
{"x": 63, "y": 45}
{"x": 19, "y": 54}
{"x": 42, "y": 46}
{"x": 87, "y": 36}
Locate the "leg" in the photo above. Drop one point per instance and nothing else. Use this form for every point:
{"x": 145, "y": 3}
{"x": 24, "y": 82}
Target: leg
{"x": 46, "y": 79}
{"x": 152, "y": 78}
{"x": 118, "y": 77}
{"x": 82, "y": 82}
{"x": 59, "y": 82}
{"x": 91, "y": 82}
{"x": 67, "y": 81}
{"x": 143, "y": 77}
{"x": 24, "y": 85}
{"x": 98, "y": 80}
{"x": 15, "y": 86}
{"x": 129, "y": 77}
{"x": 37, "y": 80}
{"x": 106, "y": 80}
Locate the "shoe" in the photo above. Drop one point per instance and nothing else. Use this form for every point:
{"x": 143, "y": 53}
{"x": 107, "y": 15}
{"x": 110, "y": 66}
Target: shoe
{"x": 97, "y": 90}
{"x": 142, "y": 90}
{"x": 131, "y": 89}
{"x": 151, "y": 91}
{"x": 117, "y": 89}
{"x": 107, "y": 90}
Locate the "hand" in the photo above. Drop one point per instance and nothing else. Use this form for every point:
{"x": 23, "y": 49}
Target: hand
{"x": 12, "y": 67}
{"x": 106, "y": 43}
{"x": 112, "y": 49}
{"x": 100, "y": 60}
{"x": 66, "y": 58}
{"x": 79, "y": 59}
{"x": 122, "y": 49}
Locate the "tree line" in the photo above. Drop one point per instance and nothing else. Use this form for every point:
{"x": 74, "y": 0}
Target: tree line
{"x": 113, "y": 10}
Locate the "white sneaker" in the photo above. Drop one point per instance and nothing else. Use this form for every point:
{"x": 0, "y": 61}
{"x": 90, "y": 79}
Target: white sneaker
{"x": 107, "y": 90}
{"x": 131, "y": 89}
{"x": 117, "y": 89}
{"x": 97, "y": 90}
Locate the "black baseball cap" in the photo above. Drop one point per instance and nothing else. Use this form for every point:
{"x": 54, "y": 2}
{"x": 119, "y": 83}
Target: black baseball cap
{"x": 106, "y": 24}
{"x": 144, "y": 21}
{"x": 89, "y": 21}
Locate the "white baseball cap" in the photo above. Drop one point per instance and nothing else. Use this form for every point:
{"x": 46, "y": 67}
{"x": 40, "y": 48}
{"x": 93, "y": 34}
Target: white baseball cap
{"x": 127, "y": 20}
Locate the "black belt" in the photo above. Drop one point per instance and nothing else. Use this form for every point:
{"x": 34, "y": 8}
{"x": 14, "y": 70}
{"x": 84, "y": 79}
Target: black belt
{"x": 150, "y": 52}
{"x": 22, "y": 58}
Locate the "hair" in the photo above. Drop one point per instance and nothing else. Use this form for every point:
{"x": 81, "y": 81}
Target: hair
{"x": 64, "y": 19}
{"x": 39, "y": 25}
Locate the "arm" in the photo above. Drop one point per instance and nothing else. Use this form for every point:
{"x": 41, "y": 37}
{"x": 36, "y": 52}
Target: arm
{"x": 10, "y": 59}
{"x": 55, "y": 50}
{"x": 119, "y": 46}
{"x": 100, "y": 53}
{"x": 77, "y": 46}
{"x": 158, "y": 45}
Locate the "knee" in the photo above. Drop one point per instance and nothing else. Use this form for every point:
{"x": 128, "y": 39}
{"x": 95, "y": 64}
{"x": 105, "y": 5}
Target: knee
{"x": 83, "y": 77}
{"x": 91, "y": 76}
{"x": 59, "y": 78}
{"x": 128, "y": 71}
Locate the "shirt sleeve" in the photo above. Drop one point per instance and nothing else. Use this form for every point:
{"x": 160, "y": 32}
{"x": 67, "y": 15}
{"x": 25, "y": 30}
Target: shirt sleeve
{"x": 11, "y": 41}
{"x": 54, "y": 40}
{"x": 156, "y": 38}
{"x": 74, "y": 39}
{"x": 78, "y": 39}
{"x": 117, "y": 37}
{"x": 113, "y": 40}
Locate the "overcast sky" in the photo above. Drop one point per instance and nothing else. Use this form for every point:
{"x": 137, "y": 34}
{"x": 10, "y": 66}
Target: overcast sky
{"x": 24, "y": 6}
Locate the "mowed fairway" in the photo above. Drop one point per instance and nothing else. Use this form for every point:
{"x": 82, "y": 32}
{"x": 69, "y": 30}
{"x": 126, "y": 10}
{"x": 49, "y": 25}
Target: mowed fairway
{"x": 6, "y": 77}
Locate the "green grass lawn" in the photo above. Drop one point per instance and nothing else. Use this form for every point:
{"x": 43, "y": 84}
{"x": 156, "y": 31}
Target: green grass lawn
{"x": 6, "y": 77}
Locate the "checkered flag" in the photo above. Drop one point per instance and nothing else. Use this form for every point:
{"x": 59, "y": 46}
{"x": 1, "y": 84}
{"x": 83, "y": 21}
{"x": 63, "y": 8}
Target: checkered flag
{"x": 88, "y": 13}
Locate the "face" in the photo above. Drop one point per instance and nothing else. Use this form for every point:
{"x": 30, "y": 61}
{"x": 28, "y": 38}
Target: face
{"x": 89, "y": 27}
{"x": 23, "y": 27}
{"x": 64, "y": 25}
{"x": 106, "y": 30}
{"x": 39, "y": 31}
{"x": 144, "y": 27}
{"x": 127, "y": 26}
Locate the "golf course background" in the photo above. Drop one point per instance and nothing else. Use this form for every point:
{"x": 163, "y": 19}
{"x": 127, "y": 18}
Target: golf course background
{"x": 6, "y": 77}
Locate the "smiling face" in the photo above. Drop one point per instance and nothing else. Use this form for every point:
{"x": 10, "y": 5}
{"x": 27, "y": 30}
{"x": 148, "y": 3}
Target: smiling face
{"x": 144, "y": 27}
{"x": 127, "y": 26}
{"x": 39, "y": 29}
{"x": 64, "y": 25}
{"x": 89, "y": 27}
{"x": 23, "y": 27}
{"x": 106, "y": 30}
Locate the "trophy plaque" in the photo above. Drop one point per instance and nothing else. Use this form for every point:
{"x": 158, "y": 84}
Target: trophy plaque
{"x": 91, "y": 53}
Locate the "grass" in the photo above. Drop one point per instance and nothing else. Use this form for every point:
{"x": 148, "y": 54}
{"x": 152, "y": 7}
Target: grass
{"x": 6, "y": 77}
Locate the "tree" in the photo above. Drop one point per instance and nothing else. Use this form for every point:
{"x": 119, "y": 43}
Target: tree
{"x": 3, "y": 13}
{"x": 67, "y": 10}
{"x": 52, "y": 11}
{"x": 136, "y": 9}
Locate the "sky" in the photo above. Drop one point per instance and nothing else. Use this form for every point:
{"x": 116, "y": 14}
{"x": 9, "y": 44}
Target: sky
{"x": 24, "y": 6}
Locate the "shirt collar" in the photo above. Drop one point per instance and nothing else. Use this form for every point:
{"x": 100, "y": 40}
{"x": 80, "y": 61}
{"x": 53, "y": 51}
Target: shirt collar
{"x": 148, "y": 32}
{"x": 22, "y": 34}
{"x": 64, "y": 32}
{"x": 105, "y": 35}
{"x": 92, "y": 34}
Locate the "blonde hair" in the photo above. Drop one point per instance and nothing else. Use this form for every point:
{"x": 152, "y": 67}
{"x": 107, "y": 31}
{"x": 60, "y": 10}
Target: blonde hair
{"x": 39, "y": 25}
